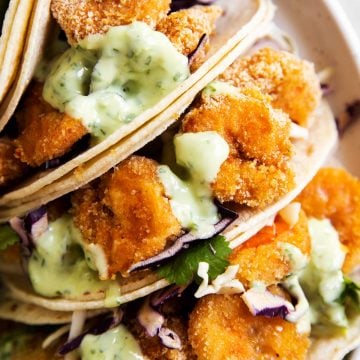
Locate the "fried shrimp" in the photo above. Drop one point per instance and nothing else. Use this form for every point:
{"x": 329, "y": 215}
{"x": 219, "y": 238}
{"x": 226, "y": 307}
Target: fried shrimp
{"x": 97, "y": 16}
{"x": 185, "y": 28}
{"x": 11, "y": 168}
{"x": 262, "y": 257}
{"x": 247, "y": 122}
{"x": 335, "y": 194}
{"x": 128, "y": 214}
{"x": 221, "y": 327}
{"x": 45, "y": 132}
{"x": 256, "y": 171}
{"x": 248, "y": 182}
{"x": 291, "y": 82}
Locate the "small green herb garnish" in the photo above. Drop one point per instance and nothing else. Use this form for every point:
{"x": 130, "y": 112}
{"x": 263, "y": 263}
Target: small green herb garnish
{"x": 8, "y": 237}
{"x": 350, "y": 292}
{"x": 182, "y": 270}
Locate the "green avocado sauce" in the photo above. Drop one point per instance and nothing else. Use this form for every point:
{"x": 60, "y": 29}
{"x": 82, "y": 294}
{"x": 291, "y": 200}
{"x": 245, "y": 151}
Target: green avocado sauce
{"x": 220, "y": 87}
{"x": 115, "y": 344}
{"x": 59, "y": 267}
{"x": 109, "y": 79}
{"x": 322, "y": 280}
{"x": 201, "y": 155}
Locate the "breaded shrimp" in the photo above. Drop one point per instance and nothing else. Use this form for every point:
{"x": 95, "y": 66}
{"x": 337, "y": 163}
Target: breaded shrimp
{"x": 262, "y": 259}
{"x": 128, "y": 214}
{"x": 257, "y": 170}
{"x": 11, "y": 168}
{"x": 45, "y": 132}
{"x": 291, "y": 82}
{"x": 221, "y": 327}
{"x": 335, "y": 194}
{"x": 185, "y": 28}
{"x": 247, "y": 122}
{"x": 79, "y": 18}
{"x": 250, "y": 183}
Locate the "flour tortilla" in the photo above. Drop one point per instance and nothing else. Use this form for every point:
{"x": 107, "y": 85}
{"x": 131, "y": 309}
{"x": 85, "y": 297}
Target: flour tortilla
{"x": 309, "y": 156}
{"x": 33, "y": 47}
{"x": 31, "y": 314}
{"x": 243, "y": 19}
{"x": 335, "y": 348}
{"x": 136, "y": 286}
{"x": 12, "y": 42}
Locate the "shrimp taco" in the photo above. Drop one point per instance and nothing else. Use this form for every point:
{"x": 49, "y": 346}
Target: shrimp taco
{"x": 283, "y": 293}
{"x": 205, "y": 176}
{"x": 15, "y": 16}
{"x": 117, "y": 69}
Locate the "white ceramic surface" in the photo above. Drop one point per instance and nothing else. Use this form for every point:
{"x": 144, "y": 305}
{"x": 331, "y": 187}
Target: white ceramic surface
{"x": 325, "y": 36}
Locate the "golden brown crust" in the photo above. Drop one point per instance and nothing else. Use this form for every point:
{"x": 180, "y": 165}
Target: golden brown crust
{"x": 221, "y": 327}
{"x": 250, "y": 183}
{"x": 248, "y": 124}
{"x": 261, "y": 259}
{"x": 335, "y": 194}
{"x": 79, "y": 18}
{"x": 11, "y": 168}
{"x": 291, "y": 82}
{"x": 185, "y": 28}
{"x": 45, "y": 132}
{"x": 257, "y": 171}
{"x": 131, "y": 218}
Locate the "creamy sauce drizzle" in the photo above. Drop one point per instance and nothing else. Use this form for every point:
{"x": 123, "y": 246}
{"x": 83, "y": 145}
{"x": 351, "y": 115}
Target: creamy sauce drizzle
{"x": 322, "y": 280}
{"x": 191, "y": 200}
{"x": 115, "y": 344}
{"x": 58, "y": 265}
{"x": 109, "y": 79}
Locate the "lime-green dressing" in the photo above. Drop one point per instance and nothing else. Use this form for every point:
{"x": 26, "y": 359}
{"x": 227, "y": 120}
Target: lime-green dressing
{"x": 115, "y": 344}
{"x": 220, "y": 87}
{"x": 191, "y": 200}
{"x": 111, "y": 78}
{"x": 322, "y": 280}
{"x": 294, "y": 256}
{"x": 58, "y": 265}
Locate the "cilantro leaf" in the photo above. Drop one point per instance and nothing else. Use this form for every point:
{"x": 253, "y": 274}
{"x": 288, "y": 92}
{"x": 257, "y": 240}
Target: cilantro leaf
{"x": 182, "y": 270}
{"x": 8, "y": 237}
{"x": 350, "y": 292}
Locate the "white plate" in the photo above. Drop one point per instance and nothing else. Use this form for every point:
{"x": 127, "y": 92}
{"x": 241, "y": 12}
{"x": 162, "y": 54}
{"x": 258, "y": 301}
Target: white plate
{"x": 324, "y": 35}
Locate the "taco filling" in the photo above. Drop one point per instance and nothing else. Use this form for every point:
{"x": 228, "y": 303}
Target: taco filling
{"x": 277, "y": 293}
{"x": 118, "y": 65}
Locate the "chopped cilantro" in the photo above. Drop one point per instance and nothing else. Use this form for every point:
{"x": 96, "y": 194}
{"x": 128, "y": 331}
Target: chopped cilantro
{"x": 8, "y": 237}
{"x": 182, "y": 270}
{"x": 350, "y": 292}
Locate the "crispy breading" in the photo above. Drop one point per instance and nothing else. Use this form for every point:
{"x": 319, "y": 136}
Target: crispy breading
{"x": 291, "y": 82}
{"x": 257, "y": 170}
{"x": 130, "y": 217}
{"x": 11, "y": 168}
{"x": 250, "y": 183}
{"x": 79, "y": 18}
{"x": 335, "y": 194}
{"x": 221, "y": 327}
{"x": 261, "y": 258}
{"x": 247, "y": 122}
{"x": 45, "y": 132}
{"x": 185, "y": 28}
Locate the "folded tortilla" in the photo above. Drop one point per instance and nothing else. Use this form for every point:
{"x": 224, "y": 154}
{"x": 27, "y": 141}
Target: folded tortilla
{"x": 242, "y": 23}
{"x": 15, "y": 24}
